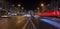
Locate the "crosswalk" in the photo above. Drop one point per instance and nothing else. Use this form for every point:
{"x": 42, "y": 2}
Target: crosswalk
{"x": 29, "y": 21}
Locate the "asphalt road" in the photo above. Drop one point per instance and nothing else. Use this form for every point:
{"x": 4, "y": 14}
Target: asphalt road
{"x": 49, "y": 23}
{"x": 15, "y": 22}
{"x": 20, "y": 22}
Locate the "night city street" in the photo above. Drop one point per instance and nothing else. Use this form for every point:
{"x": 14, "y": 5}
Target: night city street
{"x": 29, "y": 14}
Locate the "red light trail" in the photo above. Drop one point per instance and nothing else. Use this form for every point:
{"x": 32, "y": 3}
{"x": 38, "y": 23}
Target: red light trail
{"x": 54, "y": 13}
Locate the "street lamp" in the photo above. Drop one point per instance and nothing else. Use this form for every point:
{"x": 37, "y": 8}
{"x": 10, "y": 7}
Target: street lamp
{"x": 19, "y": 5}
{"x": 43, "y": 7}
{"x": 42, "y": 4}
{"x": 38, "y": 9}
{"x": 22, "y": 8}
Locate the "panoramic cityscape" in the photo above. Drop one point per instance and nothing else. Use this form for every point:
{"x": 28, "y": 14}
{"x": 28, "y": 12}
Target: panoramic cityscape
{"x": 29, "y": 14}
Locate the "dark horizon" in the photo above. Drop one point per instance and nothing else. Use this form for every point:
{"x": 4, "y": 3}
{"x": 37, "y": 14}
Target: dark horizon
{"x": 29, "y": 4}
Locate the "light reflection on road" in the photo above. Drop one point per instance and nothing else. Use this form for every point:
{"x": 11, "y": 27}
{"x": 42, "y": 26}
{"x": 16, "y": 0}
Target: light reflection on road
{"x": 54, "y": 23}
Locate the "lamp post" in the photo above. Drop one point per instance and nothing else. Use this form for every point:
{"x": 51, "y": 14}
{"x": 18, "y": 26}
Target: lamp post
{"x": 38, "y": 9}
{"x": 19, "y": 5}
{"x": 22, "y": 9}
{"x": 43, "y": 7}
{"x": 42, "y": 4}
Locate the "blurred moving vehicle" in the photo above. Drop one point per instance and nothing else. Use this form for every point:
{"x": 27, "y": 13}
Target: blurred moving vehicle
{"x": 54, "y": 13}
{"x": 4, "y": 14}
{"x": 27, "y": 15}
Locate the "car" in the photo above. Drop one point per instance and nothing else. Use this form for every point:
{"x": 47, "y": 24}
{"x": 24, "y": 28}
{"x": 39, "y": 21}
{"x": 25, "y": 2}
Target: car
{"x": 5, "y": 16}
{"x": 27, "y": 15}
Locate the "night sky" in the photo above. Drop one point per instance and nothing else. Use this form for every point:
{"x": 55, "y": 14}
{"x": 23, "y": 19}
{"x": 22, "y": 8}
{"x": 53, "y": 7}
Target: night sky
{"x": 28, "y": 4}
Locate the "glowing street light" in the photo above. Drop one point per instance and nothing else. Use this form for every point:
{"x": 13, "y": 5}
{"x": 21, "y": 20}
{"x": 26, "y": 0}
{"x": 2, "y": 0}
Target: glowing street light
{"x": 38, "y": 8}
{"x": 22, "y": 7}
{"x": 42, "y": 4}
{"x": 19, "y": 5}
{"x": 43, "y": 7}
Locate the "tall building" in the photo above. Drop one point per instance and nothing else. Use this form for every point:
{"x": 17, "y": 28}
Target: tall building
{"x": 4, "y": 4}
{"x": 58, "y": 3}
{"x": 54, "y": 4}
{"x": 1, "y": 3}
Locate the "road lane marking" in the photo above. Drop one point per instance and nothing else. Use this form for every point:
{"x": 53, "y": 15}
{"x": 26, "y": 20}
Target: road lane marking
{"x": 30, "y": 22}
